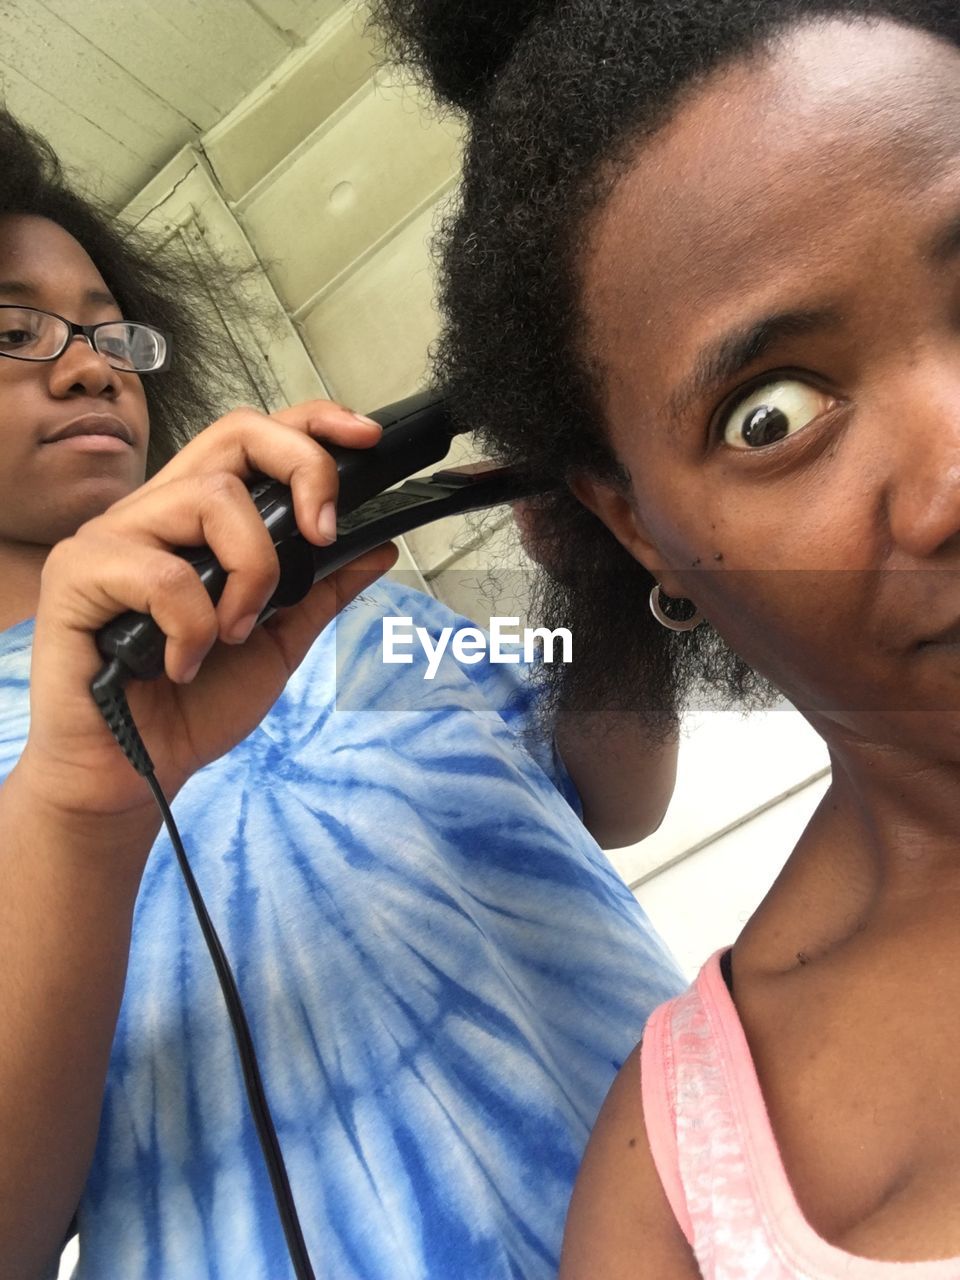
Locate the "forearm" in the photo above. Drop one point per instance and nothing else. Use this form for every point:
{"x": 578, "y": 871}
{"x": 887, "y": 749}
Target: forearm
{"x": 67, "y": 892}
{"x": 625, "y": 777}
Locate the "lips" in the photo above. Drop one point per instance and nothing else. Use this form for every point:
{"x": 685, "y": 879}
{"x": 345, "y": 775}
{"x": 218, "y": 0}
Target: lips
{"x": 92, "y": 424}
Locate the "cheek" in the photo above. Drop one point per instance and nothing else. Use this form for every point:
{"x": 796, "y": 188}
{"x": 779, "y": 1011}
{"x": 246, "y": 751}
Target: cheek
{"x": 815, "y": 525}
{"x": 804, "y": 629}
{"x": 136, "y": 402}
{"x": 21, "y": 406}
{"x": 689, "y": 538}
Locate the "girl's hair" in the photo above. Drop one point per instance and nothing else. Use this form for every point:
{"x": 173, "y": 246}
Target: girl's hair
{"x": 558, "y": 94}
{"x": 152, "y": 282}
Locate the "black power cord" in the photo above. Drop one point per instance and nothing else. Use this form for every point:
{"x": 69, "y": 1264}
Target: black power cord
{"x": 108, "y": 694}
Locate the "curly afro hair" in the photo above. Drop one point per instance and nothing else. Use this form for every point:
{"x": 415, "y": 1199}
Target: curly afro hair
{"x": 151, "y": 282}
{"x": 557, "y": 95}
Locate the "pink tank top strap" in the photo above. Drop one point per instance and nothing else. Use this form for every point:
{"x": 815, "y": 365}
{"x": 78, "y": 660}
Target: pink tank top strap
{"x": 658, "y": 1083}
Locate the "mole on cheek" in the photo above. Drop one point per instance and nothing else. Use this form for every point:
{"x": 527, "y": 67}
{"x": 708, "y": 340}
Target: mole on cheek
{"x": 718, "y": 557}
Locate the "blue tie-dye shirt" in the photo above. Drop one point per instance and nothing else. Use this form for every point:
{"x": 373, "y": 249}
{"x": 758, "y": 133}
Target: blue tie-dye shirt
{"x": 441, "y": 972}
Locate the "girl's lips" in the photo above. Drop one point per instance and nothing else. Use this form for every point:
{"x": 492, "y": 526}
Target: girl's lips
{"x": 91, "y": 444}
{"x": 92, "y": 424}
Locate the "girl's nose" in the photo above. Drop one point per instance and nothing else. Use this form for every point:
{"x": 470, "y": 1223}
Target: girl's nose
{"x": 80, "y": 370}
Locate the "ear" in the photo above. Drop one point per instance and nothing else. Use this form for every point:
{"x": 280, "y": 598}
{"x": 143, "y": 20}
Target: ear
{"x": 618, "y": 513}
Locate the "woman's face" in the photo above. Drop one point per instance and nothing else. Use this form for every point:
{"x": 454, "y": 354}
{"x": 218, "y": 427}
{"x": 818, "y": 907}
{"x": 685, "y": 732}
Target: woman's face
{"x": 773, "y": 289}
{"x": 47, "y": 489}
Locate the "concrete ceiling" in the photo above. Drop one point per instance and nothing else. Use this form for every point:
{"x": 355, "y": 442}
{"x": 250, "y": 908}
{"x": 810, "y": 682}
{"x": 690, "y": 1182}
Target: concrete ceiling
{"x": 119, "y": 86}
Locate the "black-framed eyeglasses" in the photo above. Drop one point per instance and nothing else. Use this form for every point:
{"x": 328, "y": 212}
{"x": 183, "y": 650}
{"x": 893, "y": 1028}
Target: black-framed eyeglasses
{"x": 29, "y": 334}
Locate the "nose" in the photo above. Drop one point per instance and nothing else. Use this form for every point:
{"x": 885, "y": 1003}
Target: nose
{"x": 922, "y": 443}
{"x": 80, "y": 370}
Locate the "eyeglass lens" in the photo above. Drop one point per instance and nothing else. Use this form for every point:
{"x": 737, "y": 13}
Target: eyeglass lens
{"x": 27, "y": 334}
{"x": 130, "y": 346}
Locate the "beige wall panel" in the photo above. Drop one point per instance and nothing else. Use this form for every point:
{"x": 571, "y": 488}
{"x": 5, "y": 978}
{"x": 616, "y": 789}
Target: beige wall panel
{"x": 184, "y": 200}
{"x": 132, "y": 81}
{"x": 171, "y": 59}
{"x": 345, "y": 192}
{"x": 369, "y": 337}
{"x": 107, "y": 171}
{"x": 44, "y": 48}
{"x": 313, "y": 85}
{"x": 299, "y": 17}
{"x": 239, "y": 43}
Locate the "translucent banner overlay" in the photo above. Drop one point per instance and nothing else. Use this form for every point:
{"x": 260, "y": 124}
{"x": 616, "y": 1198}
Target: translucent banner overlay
{"x": 836, "y": 643}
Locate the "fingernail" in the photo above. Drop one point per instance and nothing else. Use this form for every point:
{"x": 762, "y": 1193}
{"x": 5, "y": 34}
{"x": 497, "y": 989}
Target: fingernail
{"x": 368, "y": 421}
{"x": 189, "y": 674}
{"x": 241, "y": 629}
{"x": 327, "y": 523}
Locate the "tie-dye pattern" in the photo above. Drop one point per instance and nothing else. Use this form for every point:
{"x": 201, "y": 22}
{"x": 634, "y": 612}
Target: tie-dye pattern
{"x": 441, "y": 971}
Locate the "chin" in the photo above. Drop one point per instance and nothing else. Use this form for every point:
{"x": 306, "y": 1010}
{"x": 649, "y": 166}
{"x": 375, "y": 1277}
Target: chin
{"x": 91, "y": 500}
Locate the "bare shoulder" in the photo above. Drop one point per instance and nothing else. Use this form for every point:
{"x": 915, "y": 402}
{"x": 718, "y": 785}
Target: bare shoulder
{"x": 620, "y": 1224}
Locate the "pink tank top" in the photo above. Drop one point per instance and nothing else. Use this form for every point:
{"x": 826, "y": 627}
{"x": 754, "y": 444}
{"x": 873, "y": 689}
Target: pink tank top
{"x": 717, "y": 1156}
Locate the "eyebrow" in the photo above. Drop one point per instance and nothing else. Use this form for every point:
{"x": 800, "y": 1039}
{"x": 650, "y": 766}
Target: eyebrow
{"x": 721, "y": 360}
{"x": 21, "y": 289}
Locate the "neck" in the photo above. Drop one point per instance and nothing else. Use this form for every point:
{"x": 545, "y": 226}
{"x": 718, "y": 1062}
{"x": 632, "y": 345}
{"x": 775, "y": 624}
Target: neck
{"x": 899, "y": 808}
{"x": 20, "y": 569}
{"x": 880, "y": 853}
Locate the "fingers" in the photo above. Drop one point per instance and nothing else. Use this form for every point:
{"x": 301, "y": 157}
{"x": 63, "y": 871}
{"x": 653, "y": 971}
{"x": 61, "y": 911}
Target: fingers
{"x": 96, "y": 578}
{"x": 126, "y": 558}
{"x": 280, "y": 445}
{"x": 214, "y": 510}
{"x": 330, "y": 421}
{"x": 232, "y": 441}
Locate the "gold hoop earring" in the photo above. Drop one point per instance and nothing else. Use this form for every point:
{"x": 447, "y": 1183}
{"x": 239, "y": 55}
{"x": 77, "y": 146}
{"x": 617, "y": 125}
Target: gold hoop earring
{"x": 672, "y": 624}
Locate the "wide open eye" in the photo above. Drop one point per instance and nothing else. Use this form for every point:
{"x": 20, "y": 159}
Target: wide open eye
{"x": 773, "y": 411}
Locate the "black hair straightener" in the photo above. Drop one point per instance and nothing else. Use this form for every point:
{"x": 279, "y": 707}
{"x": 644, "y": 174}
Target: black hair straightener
{"x": 416, "y": 433}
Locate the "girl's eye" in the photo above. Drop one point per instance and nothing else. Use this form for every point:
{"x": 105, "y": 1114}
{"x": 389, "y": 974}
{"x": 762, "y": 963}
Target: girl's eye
{"x": 15, "y": 337}
{"x": 772, "y": 412}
